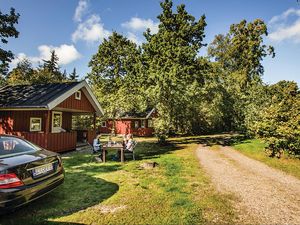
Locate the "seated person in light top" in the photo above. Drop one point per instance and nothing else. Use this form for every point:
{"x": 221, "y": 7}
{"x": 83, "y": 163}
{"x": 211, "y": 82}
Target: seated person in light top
{"x": 130, "y": 143}
{"x": 96, "y": 144}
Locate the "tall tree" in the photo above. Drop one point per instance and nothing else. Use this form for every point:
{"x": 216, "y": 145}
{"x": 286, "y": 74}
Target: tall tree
{"x": 113, "y": 76}
{"x": 49, "y": 71}
{"x": 239, "y": 55}
{"x": 172, "y": 71}
{"x": 7, "y": 29}
{"x": 21, "y": 74}
{"x": 74, "y": 76}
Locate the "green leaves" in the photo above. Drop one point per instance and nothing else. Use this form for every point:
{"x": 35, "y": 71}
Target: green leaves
{"x": 7, "y": 29}
{"x": 116, "y": 75}
{"x": 171, "y": 67}
{"x": 280, "y": 120}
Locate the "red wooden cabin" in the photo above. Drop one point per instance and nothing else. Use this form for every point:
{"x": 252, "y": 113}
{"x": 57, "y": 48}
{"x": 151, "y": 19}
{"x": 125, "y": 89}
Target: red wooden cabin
{"x": 42, "y": 113}
{"x": 138, "y": 124}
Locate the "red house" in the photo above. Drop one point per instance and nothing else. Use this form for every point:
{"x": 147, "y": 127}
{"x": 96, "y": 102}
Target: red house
{"x": 42, "y": 113}
{"x": 138, "y": 124}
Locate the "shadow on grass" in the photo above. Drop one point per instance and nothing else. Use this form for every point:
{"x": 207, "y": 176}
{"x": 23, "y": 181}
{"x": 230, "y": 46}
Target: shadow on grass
{"x": 150, "y": 150}
{"x": 147, "y": 150}
{"x": 80, "y": 190}
{"x": 221, "y": 139}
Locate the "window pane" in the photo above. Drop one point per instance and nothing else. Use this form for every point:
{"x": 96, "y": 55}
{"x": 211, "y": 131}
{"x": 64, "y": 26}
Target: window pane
{"x": 150, "y": 123}
{"x": 56, "y": 120}
{"x": 12, "y": 145}
{"x": 35, "y": 124}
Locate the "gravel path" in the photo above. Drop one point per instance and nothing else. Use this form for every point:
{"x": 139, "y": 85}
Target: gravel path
{"x": 264, "y": 195}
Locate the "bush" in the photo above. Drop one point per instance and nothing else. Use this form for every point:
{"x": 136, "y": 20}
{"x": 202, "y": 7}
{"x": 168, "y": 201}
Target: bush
{"x": 279, "y": 125}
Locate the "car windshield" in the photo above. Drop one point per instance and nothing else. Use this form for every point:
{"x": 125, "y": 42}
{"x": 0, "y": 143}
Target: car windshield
{"x": 10, "y": 146}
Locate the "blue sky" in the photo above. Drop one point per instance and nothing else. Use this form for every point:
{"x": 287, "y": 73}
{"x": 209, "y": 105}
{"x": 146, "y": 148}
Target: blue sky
{"x": 76, "y": 28}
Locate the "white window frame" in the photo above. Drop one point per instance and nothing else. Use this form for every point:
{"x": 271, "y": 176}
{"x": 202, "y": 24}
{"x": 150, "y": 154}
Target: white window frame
{"x": 103, "y": 124}
{"x": 78, "y": 95}
{"x": 136, "y": 124}
{"x": 150, "y": 125}
{"x": 143, "y": 123}
{"x": 56, "y": 129}
{"x": 35, "y": 118}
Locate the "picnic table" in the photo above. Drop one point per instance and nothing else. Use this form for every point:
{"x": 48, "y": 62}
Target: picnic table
{"x": 112, "y": 146}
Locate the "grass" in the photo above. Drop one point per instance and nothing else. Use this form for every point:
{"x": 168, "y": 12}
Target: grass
{"x": 176, "y": 192}
{"x": 255, "y": 149}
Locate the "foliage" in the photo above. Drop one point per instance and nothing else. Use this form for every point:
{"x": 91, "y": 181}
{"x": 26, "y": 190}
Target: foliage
{"x": 171, "y": 68}
{"x": 239, "y": 55}
{"x": 48, "y": 72}
{"x": 279, "y": 123}
{"x": 114, "y": 75}
{"x": 21, "y": 74}
{"x": 7, "y": 29}
{"x": 73, "y": 76}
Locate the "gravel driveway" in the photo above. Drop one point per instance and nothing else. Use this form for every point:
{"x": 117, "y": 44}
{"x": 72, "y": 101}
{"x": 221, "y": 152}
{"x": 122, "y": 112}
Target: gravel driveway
{"x": 264, "y": 195}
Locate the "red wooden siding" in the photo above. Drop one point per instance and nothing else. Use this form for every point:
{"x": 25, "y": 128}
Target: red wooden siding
{"x": 67, "y": 121}
{"x": 126, "y": 126}
{"x": 13, "y": 121}
{"x": 19, "y": 120}
{"x": 56, "y": 142}
{"x": 83, "y": 104}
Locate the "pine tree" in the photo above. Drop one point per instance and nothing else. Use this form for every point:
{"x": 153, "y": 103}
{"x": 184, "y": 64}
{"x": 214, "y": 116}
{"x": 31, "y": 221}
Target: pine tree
{"x": 73, "y": 76}
{"x": 49, "y": 71}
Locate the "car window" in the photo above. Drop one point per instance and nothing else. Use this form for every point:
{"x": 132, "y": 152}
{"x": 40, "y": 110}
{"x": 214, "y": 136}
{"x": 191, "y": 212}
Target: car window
{"x": 13, "y": 146}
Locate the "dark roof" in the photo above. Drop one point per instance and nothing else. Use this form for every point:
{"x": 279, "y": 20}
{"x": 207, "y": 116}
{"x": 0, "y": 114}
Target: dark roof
{"x": 37, "y": 95}
{"x": 135, "y": 114}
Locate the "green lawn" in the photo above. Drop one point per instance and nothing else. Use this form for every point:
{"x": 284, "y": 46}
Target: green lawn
{"x": 255, "y": 149}
{"x": 176, "y": 192}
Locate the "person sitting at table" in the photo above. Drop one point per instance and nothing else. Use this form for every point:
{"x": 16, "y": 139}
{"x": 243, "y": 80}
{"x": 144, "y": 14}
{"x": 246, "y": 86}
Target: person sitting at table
{"x": 130, "y": 143}
{"x": 97, "y": 144}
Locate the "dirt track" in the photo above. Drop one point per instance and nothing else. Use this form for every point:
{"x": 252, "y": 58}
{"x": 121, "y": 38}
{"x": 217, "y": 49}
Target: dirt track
{"x": 264, "y": 195}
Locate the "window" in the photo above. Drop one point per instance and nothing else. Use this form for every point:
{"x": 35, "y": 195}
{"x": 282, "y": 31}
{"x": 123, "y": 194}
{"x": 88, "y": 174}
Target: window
{"x": 78, "y": 95}
{"x": 103, "y": 124}
{"x": 10, "y": 146}
{"x": 56, "y": 122}
{"x": 35, "y": 124}
{"x": 143, "y": 123}
{"x": 150, "y": 123}
{"x": 136, "y": 124}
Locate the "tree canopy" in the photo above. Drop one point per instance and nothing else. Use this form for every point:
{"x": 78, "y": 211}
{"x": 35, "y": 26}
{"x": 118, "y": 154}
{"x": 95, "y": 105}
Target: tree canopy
{"x": 7, "y": 30}
{"x": 115, "y": 75}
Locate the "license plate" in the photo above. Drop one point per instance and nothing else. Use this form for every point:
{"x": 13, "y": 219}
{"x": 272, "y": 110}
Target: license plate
{"x": 42, "y": 169}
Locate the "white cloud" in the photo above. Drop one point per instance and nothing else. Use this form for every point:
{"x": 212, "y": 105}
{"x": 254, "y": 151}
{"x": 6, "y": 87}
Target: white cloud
{"x": 138, "y": 24}
{"x": 134, "y": 38}
{"x": 285, "y": 26}
{"x": 291, "y": 32}
{"x": 91, "y": 30}
{"x": 66, "y": 54}
{"x": 282, "y": 17}
{"x": 80, "y": 10}
{"x": 21, "y": 56}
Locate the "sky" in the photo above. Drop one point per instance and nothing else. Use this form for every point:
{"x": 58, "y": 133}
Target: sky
{"x": 75, "y": 28}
